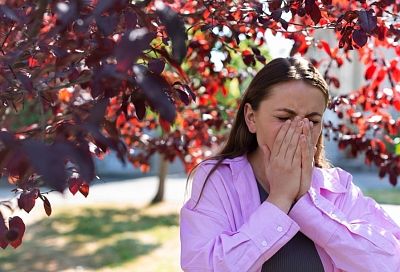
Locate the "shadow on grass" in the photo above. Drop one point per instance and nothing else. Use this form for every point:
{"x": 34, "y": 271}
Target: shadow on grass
{"x": 72, "y": 239}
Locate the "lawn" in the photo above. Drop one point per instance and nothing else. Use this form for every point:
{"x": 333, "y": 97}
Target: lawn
{"x": 110, "y": 237}
{"x": 99, "y": 238}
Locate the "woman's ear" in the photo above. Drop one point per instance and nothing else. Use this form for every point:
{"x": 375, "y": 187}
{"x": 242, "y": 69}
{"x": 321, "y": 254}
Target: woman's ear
{"x": 249, "y": 118}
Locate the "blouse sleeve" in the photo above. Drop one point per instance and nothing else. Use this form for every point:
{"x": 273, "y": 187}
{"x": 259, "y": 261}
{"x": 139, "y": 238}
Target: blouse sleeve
{"x": 211, "y": 242}
{"x": 355, "y": 231}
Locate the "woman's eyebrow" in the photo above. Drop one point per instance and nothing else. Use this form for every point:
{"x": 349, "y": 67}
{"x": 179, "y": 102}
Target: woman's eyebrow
{"x": 294, "y": 113}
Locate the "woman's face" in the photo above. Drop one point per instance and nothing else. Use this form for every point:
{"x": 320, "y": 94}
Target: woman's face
{"x": 286, "y": 101}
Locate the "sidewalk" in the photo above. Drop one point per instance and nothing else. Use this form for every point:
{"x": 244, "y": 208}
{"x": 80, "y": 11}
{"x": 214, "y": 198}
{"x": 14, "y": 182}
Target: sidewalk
{"x": 140, "y": 191}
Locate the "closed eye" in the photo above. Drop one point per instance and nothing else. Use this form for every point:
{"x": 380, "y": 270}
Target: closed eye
{"x": 283, "y": 119}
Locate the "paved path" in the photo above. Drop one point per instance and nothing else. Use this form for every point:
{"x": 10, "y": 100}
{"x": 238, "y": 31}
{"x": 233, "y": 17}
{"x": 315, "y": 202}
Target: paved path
{"x": 140, "y": 191}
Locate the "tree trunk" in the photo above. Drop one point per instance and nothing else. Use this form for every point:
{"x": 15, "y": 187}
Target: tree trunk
{"x": 162, "y": 174}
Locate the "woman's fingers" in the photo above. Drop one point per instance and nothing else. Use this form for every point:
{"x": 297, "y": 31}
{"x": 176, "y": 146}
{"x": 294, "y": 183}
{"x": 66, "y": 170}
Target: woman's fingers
{"x": 297, "y": 159}
{"x": 310, "y": 139}
{"x": 291, "y": 143}
{"x": 279, "y": 138}
{"x": 307, "y": 131}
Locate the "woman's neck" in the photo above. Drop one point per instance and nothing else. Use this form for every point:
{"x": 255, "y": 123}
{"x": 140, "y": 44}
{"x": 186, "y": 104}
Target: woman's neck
{"x": 256, "y": 160}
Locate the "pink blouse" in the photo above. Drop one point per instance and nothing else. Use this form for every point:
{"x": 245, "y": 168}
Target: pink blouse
{"x": 230, "y": 230}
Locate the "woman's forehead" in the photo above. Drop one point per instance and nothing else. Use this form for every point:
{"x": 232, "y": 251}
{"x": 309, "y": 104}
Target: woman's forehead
{"x": 295, "y": 95}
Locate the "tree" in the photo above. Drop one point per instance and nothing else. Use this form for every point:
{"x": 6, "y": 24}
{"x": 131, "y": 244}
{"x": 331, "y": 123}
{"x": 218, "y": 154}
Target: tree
{"x": 102, "y": 74}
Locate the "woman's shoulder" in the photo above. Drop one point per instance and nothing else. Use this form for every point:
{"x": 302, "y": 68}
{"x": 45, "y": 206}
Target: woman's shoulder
{"x": 334, "y": 178}
{"x": 221, "y": 163}
{"x": 217, "y": 172}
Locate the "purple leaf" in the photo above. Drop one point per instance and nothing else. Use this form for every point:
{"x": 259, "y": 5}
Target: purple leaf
{"x": 155, "y": 88}
{"x": 313, "y": 11}
{"x": 190, "y": 92}
{"x": 46, "y": 205}
{"x": 97, "y": 113}
{"x": 184, "y": 96}
{"x": 47, "y": 163}
{"x": 25, "y": 81}
{"x": 79, "y": 155}
{"x": 9, "y": 13}
{"x": 393, "y": 176}
{"x": 7, "y": 139}
{"x": 276, "y": 14}
{"x": 130, "y": 20}
{"x": 156, "y": 66}
{"x": 367, "y": 20}
{"x": 102, "y": 6}
{"x": 107, "y": 24}
{"x": 26, "y": 200}
{"x": 3, "y": 231}
{"x": 175, "y": 27}
{"x": 17, "y": 229}
{"x": 66, "y": 13}
{"x": 360, "y": 37}
{"x": 140, "y": 106}
{"x": 131, "y": 46}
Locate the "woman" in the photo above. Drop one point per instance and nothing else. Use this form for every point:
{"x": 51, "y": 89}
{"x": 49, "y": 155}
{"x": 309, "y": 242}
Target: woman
{"x": 269, "y": 201}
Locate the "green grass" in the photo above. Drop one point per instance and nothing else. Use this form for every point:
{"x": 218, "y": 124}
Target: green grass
{"x": 385, "y": 196}
{"x": 97, "y": 239}
{"x": 111, "y": 238}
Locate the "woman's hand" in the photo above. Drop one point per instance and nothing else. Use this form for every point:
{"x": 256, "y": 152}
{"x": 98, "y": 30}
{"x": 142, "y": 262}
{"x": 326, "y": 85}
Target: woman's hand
{"x": 307, "y": 157}
{"x": 283, "y": 165}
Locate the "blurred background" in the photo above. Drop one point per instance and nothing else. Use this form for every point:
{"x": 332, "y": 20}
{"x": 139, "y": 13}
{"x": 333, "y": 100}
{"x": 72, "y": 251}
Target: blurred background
{"x": 128, "y": 219}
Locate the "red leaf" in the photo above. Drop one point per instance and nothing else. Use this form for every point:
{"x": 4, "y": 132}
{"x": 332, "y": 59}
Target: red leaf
{"x": 339, "y": 61}
{"x": 121, "y": 120}
{"x": 326, "y": 47}
{"x": 46, "y": 205}
{"x": 3, "y": 231}
{"x": 32, "y": 62}
{"x": 274, "y": 4}
{"x": 74, "y": 185}
{"x": 17, "y": 226}
{"x": 27, "y": 200}
{"x": 335, "y": 82}
{"x": 165, "y": 125}
{"x": 396, "y": 104}
{"x": 393, "y": 176}
{"x": 327, "y": 2}
{"x": 370, "y": 71}
{"x": 313, "y": 11}
{"x": 84, "y": 189}
{"x": 381, "y": 75}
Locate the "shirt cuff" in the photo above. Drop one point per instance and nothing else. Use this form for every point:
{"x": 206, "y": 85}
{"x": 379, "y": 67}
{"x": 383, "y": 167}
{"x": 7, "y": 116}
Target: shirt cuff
{"x": 269, "y": 226}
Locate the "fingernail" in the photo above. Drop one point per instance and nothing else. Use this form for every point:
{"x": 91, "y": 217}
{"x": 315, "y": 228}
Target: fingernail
{"x": 311, "y": 124}
{"x": 301, "y": 123}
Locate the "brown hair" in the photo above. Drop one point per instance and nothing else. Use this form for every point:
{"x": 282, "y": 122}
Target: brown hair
{"x": 241, "y": 140}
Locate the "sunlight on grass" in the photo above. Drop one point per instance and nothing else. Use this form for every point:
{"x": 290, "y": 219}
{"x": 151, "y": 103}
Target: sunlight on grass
{"x": 385, "y": 196}
{"x": 92, "y": 238}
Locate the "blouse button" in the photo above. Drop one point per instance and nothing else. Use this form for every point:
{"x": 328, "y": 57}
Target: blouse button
{"x": 279, "y": 229}
{"x": 264, "y": 243}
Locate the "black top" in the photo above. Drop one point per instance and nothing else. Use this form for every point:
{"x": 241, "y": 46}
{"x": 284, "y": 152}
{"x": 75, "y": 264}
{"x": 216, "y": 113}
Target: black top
{"x": 299, "y": 254}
